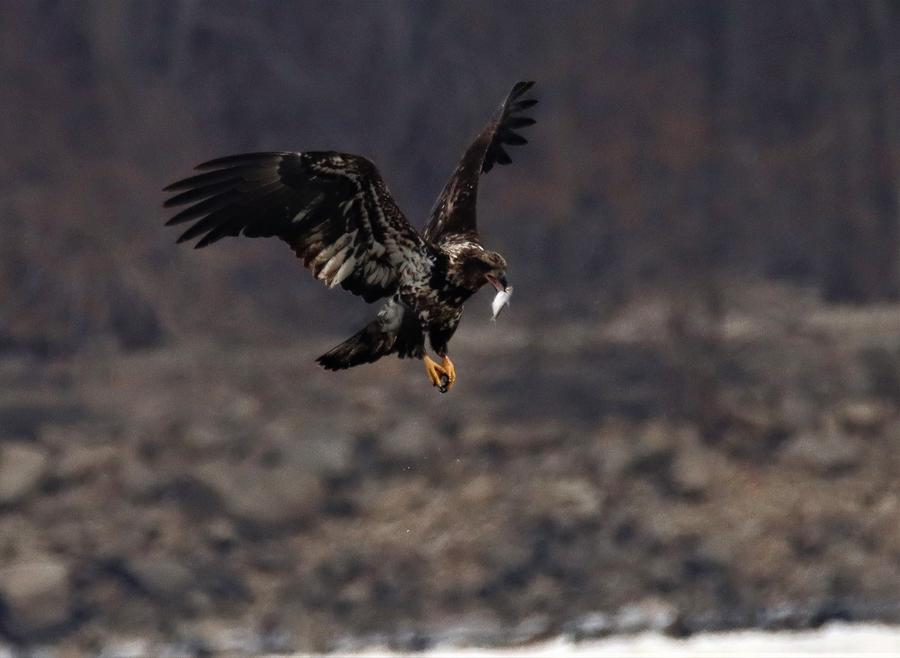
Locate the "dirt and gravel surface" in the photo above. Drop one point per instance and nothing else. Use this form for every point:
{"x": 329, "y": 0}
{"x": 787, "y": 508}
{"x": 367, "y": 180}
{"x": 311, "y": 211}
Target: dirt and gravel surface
{"x": 579, "y": 481}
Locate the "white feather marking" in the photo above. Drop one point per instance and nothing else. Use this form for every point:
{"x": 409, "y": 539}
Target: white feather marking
{"x": 300, "y": 216}
{"x": 346, "y": 205}
{"x": 345, "y": 270}
{"x": 328, "y": 252}
{"x": 391, "y": 316}
{"x": 332, "y": 266}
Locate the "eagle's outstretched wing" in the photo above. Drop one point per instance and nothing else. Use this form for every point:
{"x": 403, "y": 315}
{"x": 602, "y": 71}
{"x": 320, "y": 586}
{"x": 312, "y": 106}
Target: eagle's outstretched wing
{"x": 333, "y": 209}
{"x": 454, "y": 211}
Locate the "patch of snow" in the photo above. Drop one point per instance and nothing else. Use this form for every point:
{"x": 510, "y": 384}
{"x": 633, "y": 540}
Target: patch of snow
{"x": 832, "y": 640}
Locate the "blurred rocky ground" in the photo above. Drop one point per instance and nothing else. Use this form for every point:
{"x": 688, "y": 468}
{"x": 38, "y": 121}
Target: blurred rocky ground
{"x": 651, "y": 471}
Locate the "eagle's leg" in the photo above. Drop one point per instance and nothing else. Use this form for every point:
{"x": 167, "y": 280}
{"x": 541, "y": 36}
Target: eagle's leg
{"x": 447, "y": 366}
{"x": 436, "y": 374}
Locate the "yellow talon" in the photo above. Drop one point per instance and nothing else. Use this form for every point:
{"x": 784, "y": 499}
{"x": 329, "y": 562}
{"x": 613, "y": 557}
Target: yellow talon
{"x": 443, "y": 376}
{"x": 435, "y": 373}
{"x": 447, "y": 367}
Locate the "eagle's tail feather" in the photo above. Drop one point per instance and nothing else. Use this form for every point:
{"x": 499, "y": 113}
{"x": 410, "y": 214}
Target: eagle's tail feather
{"x": 375, "y": 340}
{"x": 366, "y": 346}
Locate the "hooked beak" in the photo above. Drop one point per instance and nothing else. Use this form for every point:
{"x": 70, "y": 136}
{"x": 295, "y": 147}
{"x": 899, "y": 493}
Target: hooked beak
{"x": 500, "y": 283}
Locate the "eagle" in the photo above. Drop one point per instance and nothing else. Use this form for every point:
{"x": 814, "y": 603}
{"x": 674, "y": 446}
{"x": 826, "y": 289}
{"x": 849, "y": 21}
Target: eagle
{"x": 337, "y": 215}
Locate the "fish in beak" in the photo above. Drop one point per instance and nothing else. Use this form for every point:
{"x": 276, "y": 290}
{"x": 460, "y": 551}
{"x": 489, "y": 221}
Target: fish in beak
{"x": 504, "y": 292}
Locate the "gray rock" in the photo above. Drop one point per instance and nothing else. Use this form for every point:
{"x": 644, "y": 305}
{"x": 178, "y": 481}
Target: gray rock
{"x": 270, "y": 498}
{"x": 205, "y": 437}
{"x": 136, "y": 478}
{"x": 798, "y": 410}
{"x": 823, "y": 451}
{"x": 616, "y": 455}
{"x": 590, "y": 625}
{"x": 476, "y": 434}
{"x": 480, "y": 630}
{"x": 863, "y": 415}
{"x": 651, "y": 614}
{"x": 572, "y": 500}
{"x": 116, "y": 648}
{"x": 164, "y": 579}
{"x": 221, "y": 532}
{"x": 691, "y": 472}
{"x": 655, "y": 440}
{"x": 530, "y": 435}
{"x": 80, "y": 462}
{"x": 312, "y": 446}
{"x": 324, "y": 456}
{"x": 22, "y": 467}
{"x": 37, "y": 596}
{"x": 530, "y": 629}
{"x": 409, "y": 440}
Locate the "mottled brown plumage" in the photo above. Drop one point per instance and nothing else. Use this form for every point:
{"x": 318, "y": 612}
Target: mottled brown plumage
{"x": 337, "y": 215}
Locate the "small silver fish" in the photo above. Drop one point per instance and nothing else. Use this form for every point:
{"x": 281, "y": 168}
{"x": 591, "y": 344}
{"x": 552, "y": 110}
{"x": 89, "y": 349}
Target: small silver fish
{"x": 501, "y": 301}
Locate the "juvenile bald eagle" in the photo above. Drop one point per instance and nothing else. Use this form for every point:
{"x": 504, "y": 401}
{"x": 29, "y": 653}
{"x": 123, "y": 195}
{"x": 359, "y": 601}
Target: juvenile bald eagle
{"x": 336, "y": 213}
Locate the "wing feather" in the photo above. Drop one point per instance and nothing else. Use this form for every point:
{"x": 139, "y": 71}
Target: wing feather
{"x": 333, "y": 209}
{"x": 454, "y": 212}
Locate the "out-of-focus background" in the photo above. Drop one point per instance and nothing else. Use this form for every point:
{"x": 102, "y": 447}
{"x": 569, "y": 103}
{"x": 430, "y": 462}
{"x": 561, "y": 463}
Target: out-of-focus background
{"x": 688, "y": 420}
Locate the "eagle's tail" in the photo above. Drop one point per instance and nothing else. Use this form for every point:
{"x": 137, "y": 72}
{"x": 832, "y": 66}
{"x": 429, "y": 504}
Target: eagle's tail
{"x": 393, "y": 330}
{"x": 365, "y": 346}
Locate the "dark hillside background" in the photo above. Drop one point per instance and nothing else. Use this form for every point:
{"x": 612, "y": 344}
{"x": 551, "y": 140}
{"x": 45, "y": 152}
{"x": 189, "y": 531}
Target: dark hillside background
{"x": 689, "y": 418}
{"x": 678, "y": 141}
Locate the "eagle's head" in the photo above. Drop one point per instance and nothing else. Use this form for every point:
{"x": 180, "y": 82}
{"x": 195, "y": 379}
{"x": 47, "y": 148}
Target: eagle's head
{"x": 484, "y": 267}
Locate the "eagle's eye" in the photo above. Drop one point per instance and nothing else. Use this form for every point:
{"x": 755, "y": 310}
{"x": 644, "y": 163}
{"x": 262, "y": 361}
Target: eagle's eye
{"x": 495, "y": 261}
{"x": 495, "y": 274}
{"x": 481, "y": 268}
